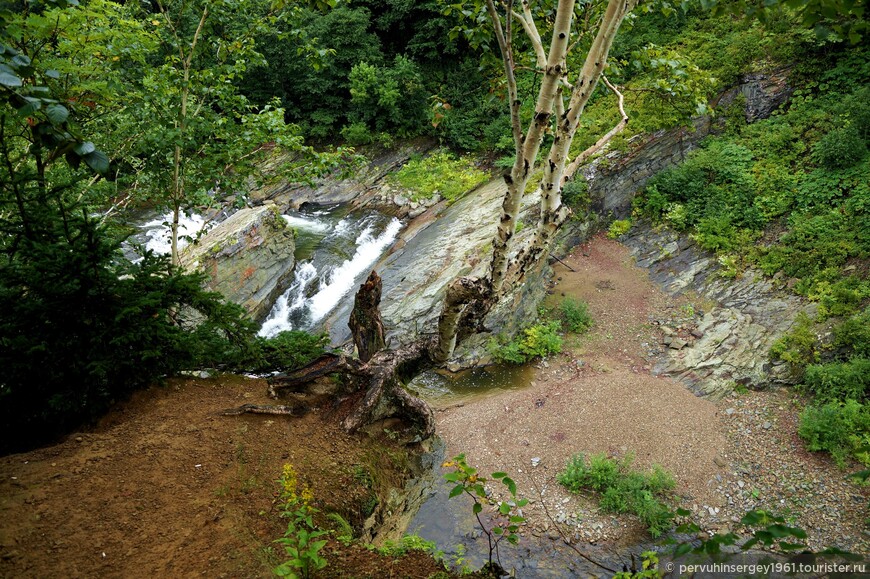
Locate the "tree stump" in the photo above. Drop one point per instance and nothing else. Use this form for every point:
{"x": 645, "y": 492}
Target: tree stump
{"x": 365, "y": 321}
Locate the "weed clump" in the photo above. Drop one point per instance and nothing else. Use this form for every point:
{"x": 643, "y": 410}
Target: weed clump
{"x": 622, "y": 489}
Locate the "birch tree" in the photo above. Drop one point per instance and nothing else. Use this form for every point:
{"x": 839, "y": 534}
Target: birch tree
{"x": 560, "y": 102}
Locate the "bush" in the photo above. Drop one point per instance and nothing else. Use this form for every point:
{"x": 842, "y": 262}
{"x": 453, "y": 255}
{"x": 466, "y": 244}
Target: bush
{"x": 839, "y": 381}
{"x": 798, "y": 347}
{"x": 623, "y": 490}
{"x": 82, "y": 328}
{"x": 840, "y": 148}
{"x": 853, "y": 335}
{"x": 284, "y": 352}
{"x": 618, "y": 228}
{"x": 575, "y": 193}
{"x": 575, "y": 315}
{"x": 533, "y": 342}
{"x": 843, "y": 429}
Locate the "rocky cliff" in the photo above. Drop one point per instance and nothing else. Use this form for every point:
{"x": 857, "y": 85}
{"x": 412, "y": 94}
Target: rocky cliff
{"x": 248, "y": 258}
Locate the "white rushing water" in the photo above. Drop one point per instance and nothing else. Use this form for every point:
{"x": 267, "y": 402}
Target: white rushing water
{"x": 313, "y": 225}
{"x": 334, "y": 282}
{"x": 158, "y": 232}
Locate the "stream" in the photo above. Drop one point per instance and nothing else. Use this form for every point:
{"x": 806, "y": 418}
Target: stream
{"x": 335, "y": 249}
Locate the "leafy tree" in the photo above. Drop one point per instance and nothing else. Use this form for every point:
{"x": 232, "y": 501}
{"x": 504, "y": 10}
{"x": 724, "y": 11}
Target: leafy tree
{"x": 198, "y": 138}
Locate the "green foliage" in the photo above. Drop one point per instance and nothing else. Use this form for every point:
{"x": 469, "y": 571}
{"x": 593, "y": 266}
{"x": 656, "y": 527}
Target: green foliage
{"x": 386, "y": 100}
{"x": 649, "y": 568}
{"x": 301, "y": 541}
{"x": 618, "y": 228}
{"x": 343, "y": 531}
{"x": 575, "y": 315}
{"x": 837, "y": 381}
{"x": 439, "y": 173}
{"x": 853, "y": 335}
{"x": 575, "y": 193}
{"x": 505, "y": 520}
{"x": 840, "y": 148}
{"x": 129, "y": 326}
{"x": 539, "y": 340}
{"x": 622, "y": 489}
{"x": 286, "y": 351}
{"x": 768, "y": 530}
{"x": 404, "y": 546}
{"x": 798, "y": 347}
{"x": 841, "y": 428}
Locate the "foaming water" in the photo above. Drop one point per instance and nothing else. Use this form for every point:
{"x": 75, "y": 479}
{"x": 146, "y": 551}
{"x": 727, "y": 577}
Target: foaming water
{"x": 158, "y": 232}
{"x": 300, "y": 307}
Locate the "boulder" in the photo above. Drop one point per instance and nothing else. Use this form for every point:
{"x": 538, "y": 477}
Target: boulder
{"x": 248, "y": 258}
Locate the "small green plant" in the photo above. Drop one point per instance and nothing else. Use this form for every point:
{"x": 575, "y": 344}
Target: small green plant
{"x": 503, "y": 523}
{"x": 535, "y": 341}
{"x": 343, "y": 531}
{"x": 768, "y": 530}
{"x": 618, "y": 228}
{"x": 575, "y": 315}
{"x": 798, "y": 347}
{"x": 405, "y": 545}
{"x": 843, "y": 429}
{"x": 839, "y": 381}
{"x": 649, "y": 568}
{"x": 622, "y": 489}
{"x": 301, "y": 540}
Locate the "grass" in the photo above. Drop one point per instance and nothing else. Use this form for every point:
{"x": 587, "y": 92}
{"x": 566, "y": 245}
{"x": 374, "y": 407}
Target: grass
{"x": 440, "y": 173}
{"x": 622, "y": 489}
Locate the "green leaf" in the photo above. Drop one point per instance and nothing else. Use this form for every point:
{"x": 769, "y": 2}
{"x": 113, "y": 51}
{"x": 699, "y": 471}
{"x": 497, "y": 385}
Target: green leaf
{"x": 85, "y": 148}
{"x": 511, "y": 485}
{"x": 456, "y": 491}
{"x": 477, "y": 508}
{"x": 98, "y": 161}
{"x": 682, "y": 549}
{"x": 497, "y": 530}
{"x": 9, "y": 80}
{"x": 51, "y": 73}
{"x": 57, "y": 114}
{"x": 499, "y": 474}
{"x": 504, "y": 508}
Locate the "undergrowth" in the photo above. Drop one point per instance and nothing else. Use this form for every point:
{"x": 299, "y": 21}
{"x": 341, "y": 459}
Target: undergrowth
{"x": 622, "y": 489}
{"x": 440, "y": 173}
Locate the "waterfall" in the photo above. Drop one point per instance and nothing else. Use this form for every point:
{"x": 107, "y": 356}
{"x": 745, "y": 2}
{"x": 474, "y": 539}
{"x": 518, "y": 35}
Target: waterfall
{"x": 301, "y": 306}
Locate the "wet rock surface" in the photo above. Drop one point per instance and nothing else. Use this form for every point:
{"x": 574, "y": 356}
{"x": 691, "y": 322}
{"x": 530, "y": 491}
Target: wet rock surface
{"x": 248, "y": 258}
{"x": 726, "y": 343}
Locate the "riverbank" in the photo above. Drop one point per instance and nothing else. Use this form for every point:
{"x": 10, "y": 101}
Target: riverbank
{"x": 600, "y": 395}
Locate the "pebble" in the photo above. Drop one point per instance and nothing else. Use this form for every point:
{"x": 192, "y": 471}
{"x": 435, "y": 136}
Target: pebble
{"x": 536, "y": 461}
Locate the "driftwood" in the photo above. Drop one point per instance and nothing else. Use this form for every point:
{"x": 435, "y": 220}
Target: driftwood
{"x": 379, "y": 378}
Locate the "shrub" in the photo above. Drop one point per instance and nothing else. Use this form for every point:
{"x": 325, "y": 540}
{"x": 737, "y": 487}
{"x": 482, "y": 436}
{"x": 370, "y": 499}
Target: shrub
{"x": 840, "y": 148}
{"x": 843, "y": 429}
{"x": 853, "y": 335}
{"x": 623, "y": 490}
{"x": 535, "y": 341}
{"x": 839, "y": 381}
{"x": 618, "y": 228}
{"x": 798, "y": 347}
{"x": 286, "y": 351}
{"x": 575, "y": 315}
{"x": 81, "y": 328}
{"x": 575, "y": 193}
